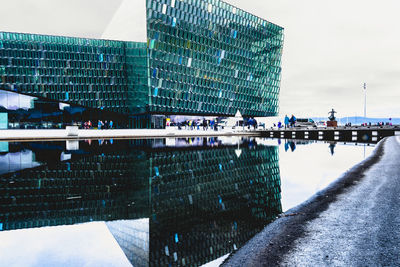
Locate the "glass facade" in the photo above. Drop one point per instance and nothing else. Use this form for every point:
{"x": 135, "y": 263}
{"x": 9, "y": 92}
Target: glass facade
{"x": 109, "y": 76}
{"x": 200, "y": 201}
{"x": 208, "y": 57}
{"x": 20, "y": 111}
{"x": 201, "y": 58}
{"x": 88, "y": 72}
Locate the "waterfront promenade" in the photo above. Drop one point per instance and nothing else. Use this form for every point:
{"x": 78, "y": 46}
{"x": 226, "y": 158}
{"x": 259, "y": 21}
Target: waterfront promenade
{"x": 353, "y": 222}
{"x": 62, "y": 134}
{"x": 355, "y": 134}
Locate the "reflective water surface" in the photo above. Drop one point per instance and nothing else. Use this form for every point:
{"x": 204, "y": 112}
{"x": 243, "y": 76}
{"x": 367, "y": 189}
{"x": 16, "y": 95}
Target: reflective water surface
{"x": 178, "y": 202}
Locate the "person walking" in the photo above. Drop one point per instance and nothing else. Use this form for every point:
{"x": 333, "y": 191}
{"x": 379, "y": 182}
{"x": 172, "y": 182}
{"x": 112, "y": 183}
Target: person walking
{"x": 286, "y": 121}
{"x": 205, "y": 125}
{"x": 249, "y": 123}
{"x": 212, "y": 124}
{"x": 292, "y": 121}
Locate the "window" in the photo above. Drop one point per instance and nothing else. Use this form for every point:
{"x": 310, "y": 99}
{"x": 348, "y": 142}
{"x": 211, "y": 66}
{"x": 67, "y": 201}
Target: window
{"x": 209, "y": 8}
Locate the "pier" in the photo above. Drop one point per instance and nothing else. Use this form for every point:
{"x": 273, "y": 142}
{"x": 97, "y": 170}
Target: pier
{"x": 349, "y": 134}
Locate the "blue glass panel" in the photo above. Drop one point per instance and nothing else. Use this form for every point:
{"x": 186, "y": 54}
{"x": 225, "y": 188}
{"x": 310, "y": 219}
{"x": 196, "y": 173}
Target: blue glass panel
{"x": 176, "y": 238}
{"x": 3, "y": 146}
{"x": 3, "y": 120}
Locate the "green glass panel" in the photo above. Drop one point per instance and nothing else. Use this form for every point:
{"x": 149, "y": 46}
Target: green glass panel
{"x": 204, "y": 57}
{"x": 229, "y": 57}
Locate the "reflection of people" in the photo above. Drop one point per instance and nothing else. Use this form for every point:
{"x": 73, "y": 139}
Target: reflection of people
{"x": 286, "y": 146}
{"x": 292, "y": 146}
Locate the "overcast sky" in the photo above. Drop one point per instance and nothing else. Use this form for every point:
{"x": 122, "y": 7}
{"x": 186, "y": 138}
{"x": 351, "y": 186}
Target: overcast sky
{"x": 331, "y": 47}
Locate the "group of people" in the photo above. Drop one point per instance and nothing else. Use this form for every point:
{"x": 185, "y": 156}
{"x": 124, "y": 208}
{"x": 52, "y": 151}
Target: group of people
{"x": 252, "y": 122}
{"x": 213, "y": 124}
{"x": 289, "y": 122}
{"x": 104, "y": 125}
{"x": 381, "y": 123}
{"x": 196, "y": 124}
{"x": 100, "y": 124}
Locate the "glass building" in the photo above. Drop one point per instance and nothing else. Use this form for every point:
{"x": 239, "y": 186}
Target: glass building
{"x": 200, "y": 58}
{"x": 165, "y": 205}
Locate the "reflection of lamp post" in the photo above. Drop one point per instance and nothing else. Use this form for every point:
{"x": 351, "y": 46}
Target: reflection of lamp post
{"x": 332, "y": 146}
{"x": 364, "y": 151}
{"x": 238, "y": 151}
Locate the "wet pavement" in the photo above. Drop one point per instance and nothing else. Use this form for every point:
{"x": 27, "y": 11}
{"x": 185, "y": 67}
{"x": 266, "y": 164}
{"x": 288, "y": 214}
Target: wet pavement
{"x": 354, "y": 222}
{"x": 162, "y": 202}
{"x": 362, "y": 228}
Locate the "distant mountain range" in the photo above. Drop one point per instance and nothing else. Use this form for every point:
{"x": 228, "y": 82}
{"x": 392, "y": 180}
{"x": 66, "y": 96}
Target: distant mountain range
{"x": 359, "y": 120}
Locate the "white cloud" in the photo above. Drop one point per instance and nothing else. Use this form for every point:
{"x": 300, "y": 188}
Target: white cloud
{"x": 87, "y": 244}
{"x": 331, "y": 49}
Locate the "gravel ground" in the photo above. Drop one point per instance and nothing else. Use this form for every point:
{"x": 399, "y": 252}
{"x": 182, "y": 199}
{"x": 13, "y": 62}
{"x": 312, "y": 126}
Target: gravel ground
{"x": 353, "y": 222}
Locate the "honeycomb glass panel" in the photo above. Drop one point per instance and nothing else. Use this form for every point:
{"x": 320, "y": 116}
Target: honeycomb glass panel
{"x": 215, "y": 46}
{"x": 196, "y": 52}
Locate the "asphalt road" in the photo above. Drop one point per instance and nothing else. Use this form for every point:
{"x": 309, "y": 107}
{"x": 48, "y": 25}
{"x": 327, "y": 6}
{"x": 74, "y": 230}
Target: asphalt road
{"x": 354, "y": 222}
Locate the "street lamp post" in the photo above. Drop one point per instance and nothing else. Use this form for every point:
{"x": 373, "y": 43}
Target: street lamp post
{"x": 365, "y": 102}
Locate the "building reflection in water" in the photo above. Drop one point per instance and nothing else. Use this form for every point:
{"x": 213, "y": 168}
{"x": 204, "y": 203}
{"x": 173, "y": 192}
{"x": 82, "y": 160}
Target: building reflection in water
{"x": 182, "y": 203}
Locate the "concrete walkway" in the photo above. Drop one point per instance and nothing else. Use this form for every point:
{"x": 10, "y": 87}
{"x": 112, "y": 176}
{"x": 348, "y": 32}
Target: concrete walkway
{"x": 54, "y": 134}
{"x": 354, "y": 222}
